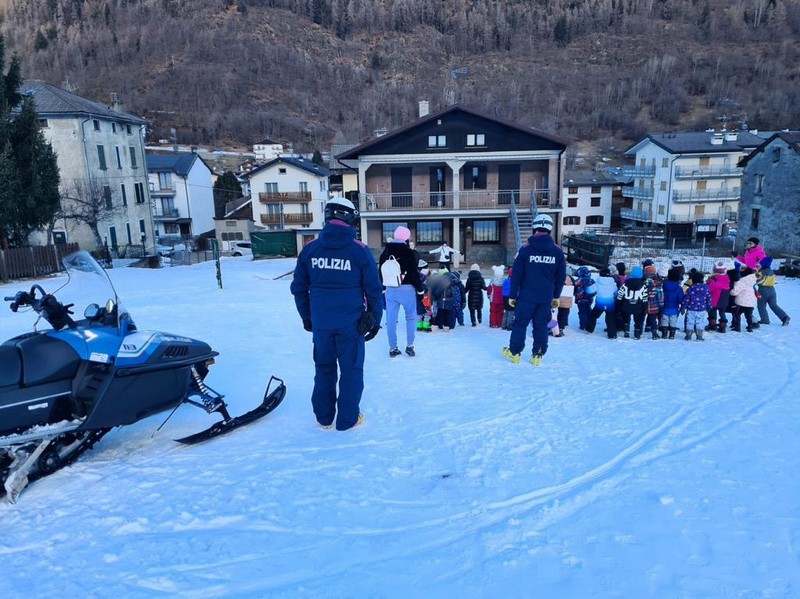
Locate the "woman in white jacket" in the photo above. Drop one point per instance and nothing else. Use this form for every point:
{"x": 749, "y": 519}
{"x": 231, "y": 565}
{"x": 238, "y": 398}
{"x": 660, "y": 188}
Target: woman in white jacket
{"x": 744, "y": 292}
{"x": 444, "y": 254}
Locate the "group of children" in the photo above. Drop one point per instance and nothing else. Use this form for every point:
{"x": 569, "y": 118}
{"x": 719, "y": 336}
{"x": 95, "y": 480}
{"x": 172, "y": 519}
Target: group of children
{"x": 649, "y": 299}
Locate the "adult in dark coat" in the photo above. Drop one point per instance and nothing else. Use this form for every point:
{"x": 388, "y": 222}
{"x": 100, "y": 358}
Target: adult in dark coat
{"x": 337, "y": 292}
{"x": 475, "y": 286}
{"x": 539, "y": 272}
{"x": 403, "y": 295}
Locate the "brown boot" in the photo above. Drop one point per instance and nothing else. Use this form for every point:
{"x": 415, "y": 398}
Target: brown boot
{"x": 722, "y": 326}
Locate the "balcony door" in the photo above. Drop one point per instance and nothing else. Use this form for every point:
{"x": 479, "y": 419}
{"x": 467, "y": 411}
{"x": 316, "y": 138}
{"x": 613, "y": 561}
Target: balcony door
{"x": 438, "y": 186}
{"x": 508, "y": 183}
{"x": 401, "y": 187}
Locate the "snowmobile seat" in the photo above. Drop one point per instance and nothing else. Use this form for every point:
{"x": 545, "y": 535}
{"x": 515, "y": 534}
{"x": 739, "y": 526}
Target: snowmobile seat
{"x": 10, "y": 366}
{"x": 45, "y": 359}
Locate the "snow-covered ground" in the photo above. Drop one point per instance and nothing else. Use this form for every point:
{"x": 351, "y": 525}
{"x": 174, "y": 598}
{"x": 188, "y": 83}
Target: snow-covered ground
{"x": 618, "y": 469}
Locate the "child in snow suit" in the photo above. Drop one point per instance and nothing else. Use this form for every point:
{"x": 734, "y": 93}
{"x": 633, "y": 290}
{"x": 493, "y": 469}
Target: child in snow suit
{"x": 765, "y": 278}
{"x": 719, "y": 286}
{"x": 508, "y": 308}
{"x": 423, "y": 306}
{"x": 696, "y": 303}
{"x": 655, "y": 298}
{"x": 475, "y": 287}
{"x": 605, "y": 302}
{"x": 495, "y": 294}
{"x": 459, "y": 296}
{"x": 744, "y": 293}
{"x": 673, "y": 295}
{"x": 633, "y": 299}
{"x": 585, "y": 290}
{"x": 444, "y": 294}
{"x": 565, "y": 302}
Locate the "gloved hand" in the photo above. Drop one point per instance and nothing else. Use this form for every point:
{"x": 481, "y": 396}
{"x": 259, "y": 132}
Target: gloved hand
{"x": 307, "y": 324}
{"x": 554, "y": 303}
{"x": 512, "y": 302}
{"x": 366, "y": 323}
{"x": 372, "y": 333}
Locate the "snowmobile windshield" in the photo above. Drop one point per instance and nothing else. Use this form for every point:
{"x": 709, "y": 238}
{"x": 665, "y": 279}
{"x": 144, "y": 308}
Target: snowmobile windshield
{"x": 88, "y": 283}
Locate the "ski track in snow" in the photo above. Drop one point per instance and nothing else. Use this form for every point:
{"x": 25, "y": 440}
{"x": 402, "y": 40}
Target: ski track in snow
{"x": 507, "y": 464}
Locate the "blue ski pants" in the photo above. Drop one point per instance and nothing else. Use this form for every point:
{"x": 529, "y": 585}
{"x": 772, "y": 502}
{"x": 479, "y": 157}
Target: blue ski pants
{"x": 342, "y": 348}
{"x": 524, "y": 313}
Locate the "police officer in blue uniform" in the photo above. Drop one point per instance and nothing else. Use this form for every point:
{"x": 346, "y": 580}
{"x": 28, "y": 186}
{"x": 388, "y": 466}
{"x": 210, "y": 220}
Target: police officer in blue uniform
{"x": 338, "y": 292}
{"x": 540, "y": 270}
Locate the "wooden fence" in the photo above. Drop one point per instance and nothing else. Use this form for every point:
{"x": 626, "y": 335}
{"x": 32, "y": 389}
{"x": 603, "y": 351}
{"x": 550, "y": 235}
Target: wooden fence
{"x": 34, "y": 261}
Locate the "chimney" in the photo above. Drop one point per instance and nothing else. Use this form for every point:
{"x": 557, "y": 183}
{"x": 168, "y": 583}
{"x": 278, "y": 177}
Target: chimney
{"x": 717, "y": 139}
{"x": 115, "y": 105}
{"x": 731, "y": 136}
{"x": 424, "y": 108}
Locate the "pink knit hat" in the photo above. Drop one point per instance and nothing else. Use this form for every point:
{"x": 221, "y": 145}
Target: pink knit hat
{"x": 402, "y": 233}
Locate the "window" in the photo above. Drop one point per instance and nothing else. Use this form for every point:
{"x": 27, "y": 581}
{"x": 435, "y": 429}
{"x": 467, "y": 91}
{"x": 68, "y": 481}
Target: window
{"x": 141, "y": 226}
{"x": 101, "y": 157}
{"x": 476, "y": 139}
{"x": 595, "y": 202}
{"x": 595, "y": 219}
{"x": 754, "y": 218}
{"x": 322, "y": 184}
{"x": 133, "y": 156}
{"x": 282, "y": 171}
{"x": 128, "y": 232}
{"x": 661, "y": 209}
{"x": 112, "y": 234}
{"x": 270, "y": 187}
{"x": 232, "y": 235}
{"x": 303, "y": 187}
{"x": 123, "y": 194}
{"x": 107, "y": 197}
{"x": 128, "y": 129}
{"x": 274, "y": 209}
{"x": 387, "y": 229}
{"x": 572, "y": 190}
{"x": 476, "y": 176}
{"x": 596, "y": 189}
{"x": 572, "y": 202}
{"x": 113, "y": 127}
{"x": 430, "y": 232}
{"x": 96, "y": 124}
{"x": 663, "y": 186}
{"x": 165, "y": 181}
{"x": 776, "y": 154}
{"x": 759, "y": 184}
{"x": 43, "y": 124}
{"x": 572, "y": 220}
{"x": 485, "y": 231}
{"x": 139, "y": 189}
{"x": 437, "y": 141}
{"x": 171, "y": 229}
{"x": 665, "y": 162}
{"x": 119, "y": 156}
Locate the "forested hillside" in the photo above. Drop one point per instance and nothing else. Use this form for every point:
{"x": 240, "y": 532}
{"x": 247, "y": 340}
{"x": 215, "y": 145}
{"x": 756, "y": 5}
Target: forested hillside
{"x": 230, "y": 72}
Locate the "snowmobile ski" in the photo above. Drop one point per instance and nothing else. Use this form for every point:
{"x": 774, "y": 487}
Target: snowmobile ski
{"x": 272, "y": 400}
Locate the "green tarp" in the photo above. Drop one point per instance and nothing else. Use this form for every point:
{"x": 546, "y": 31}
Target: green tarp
{"x": 273, "y": 243}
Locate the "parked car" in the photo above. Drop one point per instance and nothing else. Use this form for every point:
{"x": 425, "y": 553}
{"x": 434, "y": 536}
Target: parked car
{"x": 241, "y": 248}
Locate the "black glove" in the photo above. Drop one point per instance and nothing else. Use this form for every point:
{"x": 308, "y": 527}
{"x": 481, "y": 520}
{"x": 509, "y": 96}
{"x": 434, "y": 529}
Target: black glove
{"x": 366, "y": 323}
{"x": 307, "y": 324}
{"x": 372, "y": 333}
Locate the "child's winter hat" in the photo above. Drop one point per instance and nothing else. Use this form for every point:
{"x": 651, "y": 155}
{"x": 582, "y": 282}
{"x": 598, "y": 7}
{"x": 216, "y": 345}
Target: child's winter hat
{"x": 475, "y": 267}
{"x": 582, "y": 272}
{"x": 720, "y": 268}
{"x": 402, "y": 233}
{"x": 650, "y": 269}
{"x": 663, "y": 271}
{"x": 647, "y": 262}
{"x": 753, "y": 239}
{"x": 636, "y": 272}
{"x": 620, "y": 268}
{"x": 676, "y": 262}
{"x": 766, "y": 262}
{"x": 497, "y": 271}
{"x": 422, "y": 264}
{"x": 697, "y": 277}
{"x": 605, "y": 272}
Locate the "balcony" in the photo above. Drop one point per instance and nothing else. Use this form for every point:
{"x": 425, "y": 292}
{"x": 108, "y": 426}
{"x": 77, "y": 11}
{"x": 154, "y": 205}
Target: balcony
{"x": 637, "y": 193}
{"x": 713, "y": 195}
{"x": 639, "y": 171}
{"x": 482, "y": 199}
{"x": 167, "y": 215}
{"x": 644, "y": 216}
{"x": 285, "y": 197}
{"x": 287, "y": 219}
{"x": 716, "y": 172}
{"x": 162, "y": 192}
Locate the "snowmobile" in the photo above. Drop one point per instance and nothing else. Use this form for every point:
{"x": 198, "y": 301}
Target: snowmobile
{"x": 61, "y": 390}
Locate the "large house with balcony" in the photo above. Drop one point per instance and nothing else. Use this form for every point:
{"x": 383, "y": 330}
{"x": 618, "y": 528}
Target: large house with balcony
{"x": 182, "y": 193}
{"x": 458, "y": 176}
{"x": 288, "y": 193}
{"x": 100, "y": 150}
{"x": 588, "y": 200}
{"x": 687, "y": 178}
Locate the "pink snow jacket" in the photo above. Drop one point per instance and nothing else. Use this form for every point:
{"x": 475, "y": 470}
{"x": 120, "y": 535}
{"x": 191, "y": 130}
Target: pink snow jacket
{"x": 752, "y": 258}
{"x": 744, "y": 291}
{"x": 716, "y": 285}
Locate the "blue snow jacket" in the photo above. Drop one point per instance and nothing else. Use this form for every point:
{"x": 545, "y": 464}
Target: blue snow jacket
{"x": 336, "y": 278}
{"x": 673, "y": 296}
{"x": 540, "y": 270}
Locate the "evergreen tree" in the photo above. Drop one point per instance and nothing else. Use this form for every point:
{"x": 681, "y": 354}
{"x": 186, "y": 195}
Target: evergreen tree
{"x": 226, "y": 188}
{"x": 38, "y": 200}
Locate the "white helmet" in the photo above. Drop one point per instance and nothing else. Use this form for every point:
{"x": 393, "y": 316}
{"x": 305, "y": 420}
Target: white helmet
{"x": 543, "y": 221}
{"x": 341, "y": 209}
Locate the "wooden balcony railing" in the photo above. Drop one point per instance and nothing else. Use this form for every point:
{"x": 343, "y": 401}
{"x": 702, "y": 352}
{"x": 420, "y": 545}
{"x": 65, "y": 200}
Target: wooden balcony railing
{"x": 467, "y": 200}
{"x": 287, "y": 219}
{"x": 269, "y": 197}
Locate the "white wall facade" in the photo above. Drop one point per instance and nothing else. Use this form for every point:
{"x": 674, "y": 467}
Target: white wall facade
{"x": 286, "y": 178}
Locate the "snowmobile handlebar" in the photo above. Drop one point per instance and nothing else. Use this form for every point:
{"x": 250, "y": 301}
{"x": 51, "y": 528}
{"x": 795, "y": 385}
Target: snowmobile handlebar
{"x": 46, "y": 306}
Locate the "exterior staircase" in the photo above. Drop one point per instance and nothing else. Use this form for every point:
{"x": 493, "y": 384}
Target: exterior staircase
{"x": 523, "y": 224}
